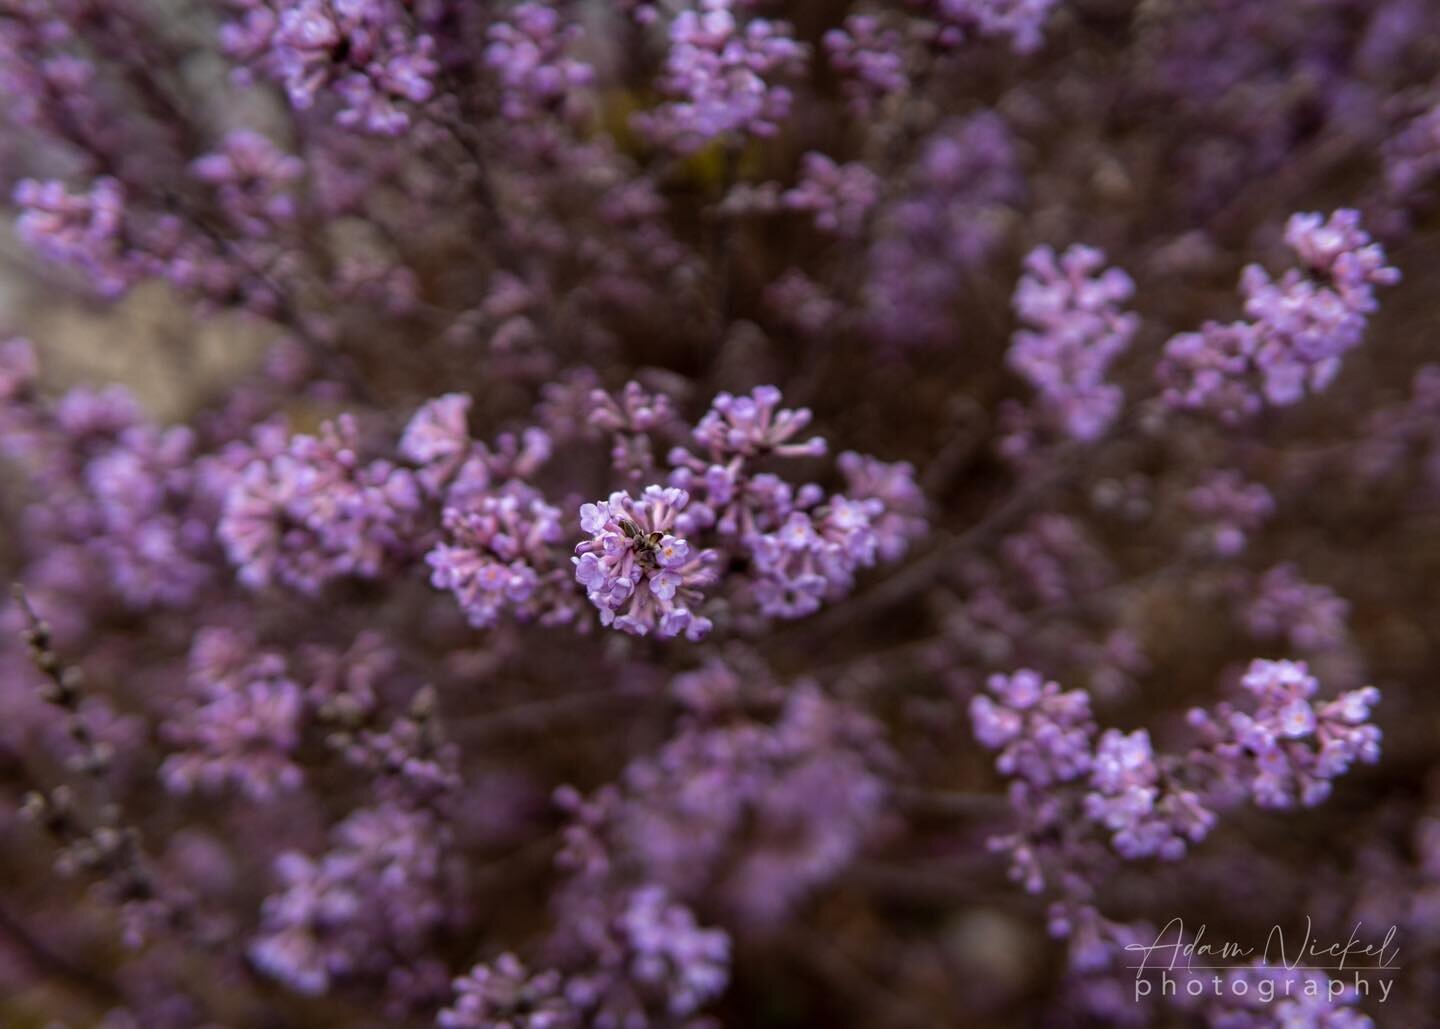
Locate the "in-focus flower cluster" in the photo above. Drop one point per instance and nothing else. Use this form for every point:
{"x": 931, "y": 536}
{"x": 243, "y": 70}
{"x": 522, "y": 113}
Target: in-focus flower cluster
{"x": 641, "y": 576}
{"x": 651, "y": 559}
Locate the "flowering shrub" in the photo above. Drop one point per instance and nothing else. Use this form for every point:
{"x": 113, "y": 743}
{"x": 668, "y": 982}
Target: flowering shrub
{"x": 718, "y": 512}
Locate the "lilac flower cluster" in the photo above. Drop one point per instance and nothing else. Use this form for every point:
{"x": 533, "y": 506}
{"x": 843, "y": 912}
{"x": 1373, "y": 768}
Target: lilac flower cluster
{"x": 504, "y": 992}
{"x": 366, "y": 58}
{"x": 498, "y": 544}
{"x": 1147, "y": 815}
{"x": 1043, "y": 735}
{"x": 380, "y": 888}
{"x": 891, "y": 489}
{"x": 1052, "y": 560}
{"x": 252, "y": 179}
{"x": 1232, "y": 510}
{"x": 115, "y": 243}
{"x": 500, "y": 541}
{"x": 1309, "y": 616}
{"x": 246, "y": 728}
{"x": 868, "y": 54}
{"x": 528, "y": 52}
{"x": 652, "y": 957}
{"x": 436, "y": 477}
{"x": 1022, "y": 21}
{"x": 1412, "y": 157}
{"x": 813, "y": 556}
{"x": 630, "y": 418}
{"x": 82, "y": 230}
{"x": 839, "y": 197}
{"x": 1301, "y": 324}
{"x": 805, "y": 548}
{"x": 1289, "y": 750}
{"x": 806, "y": 790}
{"x": 306, "y": 511}
{"x": 50, "y": 84}
{"x": 1075, "y": 331}
{"x": 1156, "y": 805}
{"x": 725, "y": 73}
{"x": 641, "y": 576}
{"x": 115, "y": 504}
{"x": 950, "y": 218}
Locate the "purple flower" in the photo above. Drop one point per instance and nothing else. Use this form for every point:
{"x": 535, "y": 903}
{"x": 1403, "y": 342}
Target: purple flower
{"x": 1020, "y": 20}
{"x": 1148, "y": 815}
{"x": 244, "y": 729}
{"x": 893, "y": 485}
{"x": 527, "y": 52}
{"x": 49, "y": 81}
{"x": 313, "y": 512}
{"x": 641, "y": 577}
{"x": 631, "y": 417}
{"x": 437, "y": 438}
{"x": 640, "y": 957}
{"x": 813, "y": 556}
{"x": 869, "y": 57}
{"x": 803, "y": 303}
{"x": 724, "y": 74}
{"x": 500, "y": 555}
{"x": 1412, "y": 156}
{"x": 83, "y": 230}
{"x": 761, "y": 813}
{"x": 838, "y": 196}
{"x": 252, "y": 180}
{"x": 951, "y": 216}
{"x": 1043, "y": 735}
{"x": 379, "y": 891}
{"x": 1053, "y": 560}
{"x": 753, "y": 426}
{"x": 730, "y": 495}
{"x": 1301, "y": 324}
{"x": 1310, "y": 616}
{"x": 1289, "y": 749}
{"x": 1075, "y": 331}
{"x": 505, "y": 993}
{"x": 668, "y": 951}
{"x": 114, "y": 490}
{"x": 1232, "y": 508}
{"x": 116, "y": 242}
{"x": 365, "y": 55}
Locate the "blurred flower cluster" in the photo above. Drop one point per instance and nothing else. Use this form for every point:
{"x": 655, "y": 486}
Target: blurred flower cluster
{"x": 720, "y": 512}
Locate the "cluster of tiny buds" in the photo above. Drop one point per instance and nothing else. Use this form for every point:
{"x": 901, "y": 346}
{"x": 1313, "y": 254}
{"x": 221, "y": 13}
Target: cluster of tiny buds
{"x": 63, "y": 688}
